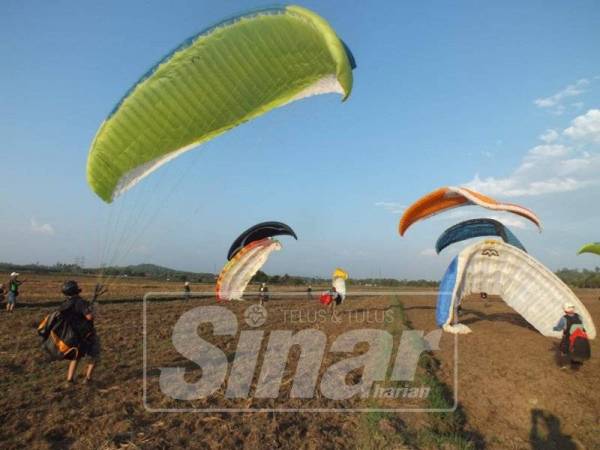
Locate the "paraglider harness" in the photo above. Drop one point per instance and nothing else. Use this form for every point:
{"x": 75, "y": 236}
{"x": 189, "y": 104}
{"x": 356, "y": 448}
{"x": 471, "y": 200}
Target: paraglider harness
{"x": 575, "y": 339}
{"x": 325, "y": 298}
{"x": 328, "y": 297}
{"x": 63, "y": 334}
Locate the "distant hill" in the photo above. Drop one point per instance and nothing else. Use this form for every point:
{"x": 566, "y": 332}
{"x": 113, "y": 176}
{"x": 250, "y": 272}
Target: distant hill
{"x": 139, "y": 270}
{"x": 156, "y": 271}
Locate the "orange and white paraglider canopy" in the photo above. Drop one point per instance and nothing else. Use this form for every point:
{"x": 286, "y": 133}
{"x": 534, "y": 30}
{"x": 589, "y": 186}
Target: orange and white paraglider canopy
{"x": 446, "y": 198}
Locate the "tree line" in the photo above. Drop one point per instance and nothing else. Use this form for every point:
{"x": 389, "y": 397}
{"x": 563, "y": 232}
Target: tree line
{"x": 578, "y": 278}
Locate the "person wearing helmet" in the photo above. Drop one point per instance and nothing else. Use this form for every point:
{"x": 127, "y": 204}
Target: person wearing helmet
{"x": 80, "y": 316}
{"x": 13, "y": 291}
{"x": 564, "y": 324}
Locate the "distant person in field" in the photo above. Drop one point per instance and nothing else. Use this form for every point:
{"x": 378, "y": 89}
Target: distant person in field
{"x": 13, "y": 291}
{"x": 80, "y": 316}
{"x": 186, "y": 289}
{"x": 309, "y": 292}
{"x": 263, "y": 293}
{"x": 2, "y": 293}
{"x": 336, "y": 299}
{"x": 574, "y": 343}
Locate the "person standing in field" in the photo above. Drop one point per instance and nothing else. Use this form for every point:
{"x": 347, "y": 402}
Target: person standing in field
{"x": 13, "y": 291}
{"x": 186, "y": 290}
{"x": 80, "y": 316}
{"x": 309, "y": 292}
{"x": 2, "y": 293}
{"x": 336, "y": 299}
{"x": 263, "y": 293}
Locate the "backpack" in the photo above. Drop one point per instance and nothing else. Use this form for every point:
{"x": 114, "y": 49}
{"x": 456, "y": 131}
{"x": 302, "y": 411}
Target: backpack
{"x": 325, "y": 298}
{"x": 46, "y": 325}
{"x": 60, "y": 340}
{"x": 577, "y": 343}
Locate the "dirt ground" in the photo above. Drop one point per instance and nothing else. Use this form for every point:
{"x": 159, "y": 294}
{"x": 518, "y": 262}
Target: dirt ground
{"x": 511, "y": 390}
{"x": 510, "y": 380}
{"x": 41, "y": 289}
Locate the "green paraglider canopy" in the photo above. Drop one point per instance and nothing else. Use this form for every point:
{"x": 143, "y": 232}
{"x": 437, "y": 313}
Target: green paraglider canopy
{"x": 592, "y": 247}
{"x": 216, "y": 80}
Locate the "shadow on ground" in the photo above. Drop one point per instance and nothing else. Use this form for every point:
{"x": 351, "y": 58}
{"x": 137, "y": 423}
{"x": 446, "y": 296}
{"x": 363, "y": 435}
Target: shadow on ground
{"x": 546, "y": 432}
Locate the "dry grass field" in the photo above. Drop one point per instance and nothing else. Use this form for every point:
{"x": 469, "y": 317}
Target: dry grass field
{"x": 46, "y": 288}
{"x": 512, "y": 393}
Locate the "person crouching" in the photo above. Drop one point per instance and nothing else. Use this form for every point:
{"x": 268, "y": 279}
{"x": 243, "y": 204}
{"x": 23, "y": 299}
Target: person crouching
{"x": 572, "y": 327}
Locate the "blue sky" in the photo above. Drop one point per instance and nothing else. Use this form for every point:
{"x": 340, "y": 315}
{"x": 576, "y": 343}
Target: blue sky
{"x": 503, "y": 97}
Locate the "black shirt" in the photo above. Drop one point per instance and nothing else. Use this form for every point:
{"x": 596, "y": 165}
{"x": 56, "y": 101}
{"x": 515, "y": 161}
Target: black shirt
{"x": 74, "y": 310}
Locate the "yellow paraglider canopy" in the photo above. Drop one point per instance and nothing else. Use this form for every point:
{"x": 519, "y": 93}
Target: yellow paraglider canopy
{"x": 340, "y": 273}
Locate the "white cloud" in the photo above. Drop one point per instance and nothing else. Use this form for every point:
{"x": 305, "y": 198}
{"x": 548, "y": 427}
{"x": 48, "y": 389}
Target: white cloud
{"x": 547, "y": 150}
{"x": 393, "y": 207}
{"x": 41, "y": 228}
{"x": 549, "y": 136}
{"x": 585, "y": 127}
{"x": 515, "y": 187}
{"x": 545, "y": 169}
{"x": 555, "y": 101}
{"x": 428, "y": 252}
